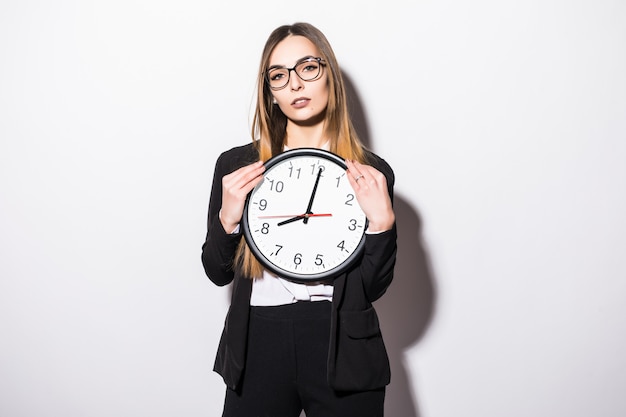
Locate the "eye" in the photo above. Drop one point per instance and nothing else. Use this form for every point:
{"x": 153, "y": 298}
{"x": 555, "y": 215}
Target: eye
{"x": 308, "y": 66}
{"x": 277, "y": 74}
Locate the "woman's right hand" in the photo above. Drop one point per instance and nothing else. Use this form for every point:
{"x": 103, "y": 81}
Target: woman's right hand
{"x": 235, "y": 188}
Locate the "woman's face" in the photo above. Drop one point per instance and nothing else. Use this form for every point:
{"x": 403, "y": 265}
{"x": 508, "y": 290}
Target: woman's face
{"x": 303, "y": 102}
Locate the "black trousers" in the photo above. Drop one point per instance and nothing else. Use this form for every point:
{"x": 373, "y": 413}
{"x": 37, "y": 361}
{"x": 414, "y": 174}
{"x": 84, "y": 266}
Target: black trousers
{"x": 286, "y": 369}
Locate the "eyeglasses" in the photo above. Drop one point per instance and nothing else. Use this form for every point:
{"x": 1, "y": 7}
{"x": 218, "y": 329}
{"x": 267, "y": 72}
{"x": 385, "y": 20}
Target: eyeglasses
{"x": 308, "y": 69}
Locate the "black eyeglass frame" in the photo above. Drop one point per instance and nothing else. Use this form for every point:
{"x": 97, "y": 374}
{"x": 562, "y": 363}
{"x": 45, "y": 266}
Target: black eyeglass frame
{"x": 319, "y": 60}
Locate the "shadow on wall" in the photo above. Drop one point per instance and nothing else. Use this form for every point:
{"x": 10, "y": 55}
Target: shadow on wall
{"x": 406, "y": 310}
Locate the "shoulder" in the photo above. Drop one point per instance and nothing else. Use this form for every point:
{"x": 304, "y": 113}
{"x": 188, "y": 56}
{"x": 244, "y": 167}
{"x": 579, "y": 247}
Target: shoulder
{"x": 247, "y": 153}
{"x": 380, "y": 164}
{"x": 237, "y": 157}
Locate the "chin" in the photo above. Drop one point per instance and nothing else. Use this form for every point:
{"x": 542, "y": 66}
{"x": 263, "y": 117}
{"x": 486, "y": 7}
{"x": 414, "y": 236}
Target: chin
{"x": 309, "y": 120}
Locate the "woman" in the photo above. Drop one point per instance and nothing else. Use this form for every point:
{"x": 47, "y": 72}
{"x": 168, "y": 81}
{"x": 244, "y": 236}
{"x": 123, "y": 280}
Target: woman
{"x": 288, "y": 347}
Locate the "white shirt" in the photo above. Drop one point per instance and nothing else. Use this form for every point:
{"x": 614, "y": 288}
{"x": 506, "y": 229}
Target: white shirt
{"x": 271, "y": 290}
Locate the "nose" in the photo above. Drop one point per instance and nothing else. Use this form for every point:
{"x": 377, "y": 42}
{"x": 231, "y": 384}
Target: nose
{"x": 295, "y": 83}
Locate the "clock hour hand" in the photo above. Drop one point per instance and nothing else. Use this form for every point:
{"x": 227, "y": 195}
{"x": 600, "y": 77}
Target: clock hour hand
{"x": 296, "y": 218}
{"x": 308, "y": 209}
{"x": 291, "y": 220}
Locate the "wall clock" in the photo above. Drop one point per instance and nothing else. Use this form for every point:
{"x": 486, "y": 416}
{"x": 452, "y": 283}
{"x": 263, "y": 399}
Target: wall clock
{"x": 303, "y": 222}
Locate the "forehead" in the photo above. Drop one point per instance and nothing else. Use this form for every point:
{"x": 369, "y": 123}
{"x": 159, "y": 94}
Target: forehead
{"x": 291, "y": 49}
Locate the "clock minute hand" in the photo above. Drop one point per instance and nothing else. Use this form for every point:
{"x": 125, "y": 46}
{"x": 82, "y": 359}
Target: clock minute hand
{"x": 308, "y": 209}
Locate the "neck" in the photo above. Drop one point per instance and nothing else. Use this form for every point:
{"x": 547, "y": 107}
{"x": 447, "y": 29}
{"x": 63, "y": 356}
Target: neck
{"x": 299, "y": 136}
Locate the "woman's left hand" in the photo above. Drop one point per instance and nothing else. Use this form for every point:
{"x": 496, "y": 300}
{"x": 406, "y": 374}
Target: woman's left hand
{"x": 370, "y": 187}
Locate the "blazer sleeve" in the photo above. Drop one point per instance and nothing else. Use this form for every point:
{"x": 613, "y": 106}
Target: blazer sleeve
{"x": 219, "y": 248}
{"x": 379, "y": 258}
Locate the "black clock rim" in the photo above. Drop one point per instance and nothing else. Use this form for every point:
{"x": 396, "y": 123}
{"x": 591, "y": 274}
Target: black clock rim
{"x": 331, "y": 274}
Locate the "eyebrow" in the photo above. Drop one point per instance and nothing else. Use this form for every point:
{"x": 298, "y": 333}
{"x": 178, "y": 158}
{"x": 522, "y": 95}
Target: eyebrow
{"x": 297, "y": 62}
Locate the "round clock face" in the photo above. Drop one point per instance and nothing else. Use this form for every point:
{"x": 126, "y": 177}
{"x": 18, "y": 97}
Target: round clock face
{"x": 303, "y": 222}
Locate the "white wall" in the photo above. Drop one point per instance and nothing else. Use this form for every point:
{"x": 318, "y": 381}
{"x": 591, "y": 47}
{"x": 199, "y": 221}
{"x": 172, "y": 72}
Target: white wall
{"x": 510, "y": 291}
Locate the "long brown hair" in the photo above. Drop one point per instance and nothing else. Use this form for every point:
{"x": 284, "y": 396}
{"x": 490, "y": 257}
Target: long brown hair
{"x": 269, "y": 123}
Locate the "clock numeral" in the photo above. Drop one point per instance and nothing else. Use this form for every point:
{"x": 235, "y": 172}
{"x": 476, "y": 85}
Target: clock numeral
{"x": 353, "y": 225}
{"x": 297, "y": 259}
{"x": 291, "y": 172}
{"x": 342, "y": 246}
{"x": 350, "y": 199}
{"x": 277, "y": 186}
{"x": 339, "y": 179}
{"x": 318, "y": 260}
{"x": 262, "y": 204}
{"x": 277, "y": 250}
{"x": 314, "y": 171}
{"x": 265, "y": 229}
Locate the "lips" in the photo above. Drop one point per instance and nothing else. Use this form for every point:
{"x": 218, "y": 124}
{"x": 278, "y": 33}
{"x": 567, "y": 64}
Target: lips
{"x": 300, "y": 102}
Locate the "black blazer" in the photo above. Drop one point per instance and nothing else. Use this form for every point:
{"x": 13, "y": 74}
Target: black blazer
{"x": 357, "y": 359}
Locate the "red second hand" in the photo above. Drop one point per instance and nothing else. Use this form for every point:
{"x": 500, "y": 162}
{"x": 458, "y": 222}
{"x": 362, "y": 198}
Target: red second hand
{"x": 296, "y": 215}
